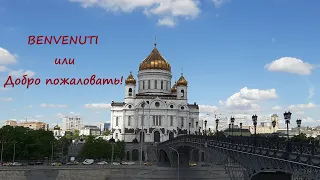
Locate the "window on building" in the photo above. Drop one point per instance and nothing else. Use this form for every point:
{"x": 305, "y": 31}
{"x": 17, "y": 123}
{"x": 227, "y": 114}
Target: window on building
{"x": 130, "y": 91}
{"x": 192, "y": 122}
{"x": 155, "y": 84}
{"x": 143, "y": 85}
{"x": 182, "y": 93}
{"x": 156, "y": 120}
{"x": 129, "y": 120}
{"x": 117, "y": 136}
{"x": 161, "y": 85}
{"x": 117, "y": 121}
{"x": 171, "y": 120}
{"x": 182, "y": 122}
{"x": 149, "y": 84}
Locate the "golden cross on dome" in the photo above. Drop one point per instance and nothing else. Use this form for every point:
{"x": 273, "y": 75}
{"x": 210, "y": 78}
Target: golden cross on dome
{"x": 155, "y": 41}
{"x": 181, "y": 71}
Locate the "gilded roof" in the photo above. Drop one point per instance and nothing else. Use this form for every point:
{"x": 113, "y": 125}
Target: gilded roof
{"x": 56, "y": 127}
{"x": 182, "y": 81}
{"x": 130, "y": 79}
{"x": 155, "y": 61}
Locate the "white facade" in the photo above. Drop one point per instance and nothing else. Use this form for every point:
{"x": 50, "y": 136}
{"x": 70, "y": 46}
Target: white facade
{"x": 90, "y": 131}
{"x": 70, "y": 123}
{"x": 166, "y": 111}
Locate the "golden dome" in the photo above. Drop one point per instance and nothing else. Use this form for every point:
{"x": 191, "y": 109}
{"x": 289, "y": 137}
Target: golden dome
{"x": 130, "y": 79}
{"x": 155, "y": 61}
{"x": 174, "y": 87}
{"x": 182, "y": 81}
{"x": 56, "y": 127}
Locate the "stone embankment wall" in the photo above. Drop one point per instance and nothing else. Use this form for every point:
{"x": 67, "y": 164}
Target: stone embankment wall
{"x": 113, "y": 174}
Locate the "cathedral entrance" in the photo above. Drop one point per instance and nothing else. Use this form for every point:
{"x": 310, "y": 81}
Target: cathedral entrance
{"x": 135, "y": 155}
{"x": 142, "y": 134}
{"x": 156, "y": 136}
{"x": 171, "y": 135}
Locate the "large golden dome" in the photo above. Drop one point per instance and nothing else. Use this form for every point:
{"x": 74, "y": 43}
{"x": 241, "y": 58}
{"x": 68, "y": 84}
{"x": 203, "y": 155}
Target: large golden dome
{"x": 155, "y": 61}
{"x": 130, "y": 79}
{"x": 174, "y": 87}
{"x": 182, "y": 81}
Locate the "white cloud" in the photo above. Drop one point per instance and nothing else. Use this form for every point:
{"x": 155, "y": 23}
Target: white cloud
{"x": 6, "y": 57}
{"x": 6, "y": 99}
{"x": 161, "y": 8}
{"x": 207, "y": 109}
{"x": 218, "y": 3}
{"x": 221, "y": 103}
{"x": 298, "y": 107}
{"x": 290, "y": 65}
{"x": 166, "y": 21}
{"x": 21, "y": 72}
{"x": 247, "y": 99}
{"x": 97, "y": 105}
{"x": 3, "y": 69}
{"x": 53, "y": 105}
{"x": 276, "y": 108}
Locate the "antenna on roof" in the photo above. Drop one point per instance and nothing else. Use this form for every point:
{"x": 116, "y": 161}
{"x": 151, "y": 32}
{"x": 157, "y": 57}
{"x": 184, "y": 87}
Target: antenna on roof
{"x": 155, "y": 41}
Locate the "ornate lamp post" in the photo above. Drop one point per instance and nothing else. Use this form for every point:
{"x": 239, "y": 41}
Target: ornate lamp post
{"x": 189, "y": 127}
{"x": 229, "y": 129}
{"x": 299, "y": 125}
{"x": 197, "y": 126}
{"x": 209, "y": 132}
{"x": 199, "y": 130}
{"x": 217, "y": 124}
{"x": 241, "y": 129}
{"x": 112, "y": 141}
{"x": 287, "y": 118}
{"x": 274, "y": 123}
{"x": 255, "y": 121}
{"x": 232, "y": 123}
{"x": 205, "y": 127}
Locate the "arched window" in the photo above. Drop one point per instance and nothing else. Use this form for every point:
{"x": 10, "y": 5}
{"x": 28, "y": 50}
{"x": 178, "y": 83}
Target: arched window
{"x": 155, "y": 84}
{"x": 161, "y": 84}
{"x": 149, "y": 84}
{"x": 182, "y": 93}
{"x": 143, "y": 87}
{"x": 129, "y": 120}
{"x": 130, "y": 91}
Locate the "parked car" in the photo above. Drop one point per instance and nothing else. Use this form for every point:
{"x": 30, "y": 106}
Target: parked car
{"x": 102, "y": 163}
{"x": 192, "y": 164}
{"x": 88, "y": 161}
{"x": 116, "y": 163}
{"x": 124, "y": 163}
{"x": 73, "y": 163}
{"x": 130, "y": 163}
{"x": 147, "y": 164}
{"x": 16, "y": 164}
{"x": 56, "y": 164}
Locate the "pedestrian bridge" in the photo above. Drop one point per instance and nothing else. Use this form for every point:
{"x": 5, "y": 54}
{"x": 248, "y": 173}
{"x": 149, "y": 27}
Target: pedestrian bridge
{"x": 246, "y": 158}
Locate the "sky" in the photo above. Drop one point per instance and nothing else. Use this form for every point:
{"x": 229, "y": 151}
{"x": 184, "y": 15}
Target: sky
{"x": 240, "y": 57}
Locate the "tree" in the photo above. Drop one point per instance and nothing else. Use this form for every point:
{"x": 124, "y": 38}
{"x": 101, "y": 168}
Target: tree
{"x": 107, "y": 133}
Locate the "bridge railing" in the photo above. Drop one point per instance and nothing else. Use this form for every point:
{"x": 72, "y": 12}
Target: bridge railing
{"x": 257, "y": 142}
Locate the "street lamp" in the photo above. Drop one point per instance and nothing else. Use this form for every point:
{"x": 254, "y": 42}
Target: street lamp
{"x": 255, "y": 121}
{"x": 274, "y": 123}
{"x": 299, "y": 125}
{"x": 217, "y": 124}
{"x": 205, "y": 127}
{"x": 14, "y": 150}
{"x": 209, "y": 132}
{"x": 199, "y": 130}
{"x": 287, "y": 117}
{"x": 229, "y": 129}
{"x": 197, "y": 126}
{"x": 189, "y": 127}
{"x": 241, "y": 129}
{"x": 112, "y": 141}
{"x": 142, "y": 133}
{"x": 2, "y": 143}
{"x": 232, "y": 123}
{"x": 178, "y": 160}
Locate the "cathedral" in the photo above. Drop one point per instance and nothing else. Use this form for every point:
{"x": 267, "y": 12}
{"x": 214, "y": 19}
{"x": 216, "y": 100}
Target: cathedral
{"x": 159, "y": 111}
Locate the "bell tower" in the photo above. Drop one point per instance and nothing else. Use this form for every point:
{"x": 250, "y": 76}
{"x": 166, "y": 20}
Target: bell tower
{"x": 130, "y": 90}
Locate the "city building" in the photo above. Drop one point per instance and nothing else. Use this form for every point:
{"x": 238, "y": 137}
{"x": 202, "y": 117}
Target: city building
{"x": 153, "y": 104}
{"x": 104, "y": 126}
{"x": 57, "y": 132}
{"x": 70, "y": 123}
{"x": 265, "y": 127}
{"x": 89, "y": 130}
{"x": 35, "y": 125}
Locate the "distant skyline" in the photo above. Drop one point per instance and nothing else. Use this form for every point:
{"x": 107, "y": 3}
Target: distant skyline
{"x": 239, "y": 57}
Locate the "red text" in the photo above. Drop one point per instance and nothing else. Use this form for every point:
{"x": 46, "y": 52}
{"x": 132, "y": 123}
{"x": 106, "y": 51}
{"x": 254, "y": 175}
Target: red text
{"x": 59, "y": 61}
{"x": 62, "y": 81}
{"x": 62, "y": 40}
{"x": 23, "y": 81}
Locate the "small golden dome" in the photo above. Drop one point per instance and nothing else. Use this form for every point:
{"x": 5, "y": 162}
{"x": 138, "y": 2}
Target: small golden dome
{"x": 174, "y": 87}
{"x": 56, "y": 127}
{"x": 182, "y": 81}
{"x": 130, "y": 79}
{"x": 155, "y": 61}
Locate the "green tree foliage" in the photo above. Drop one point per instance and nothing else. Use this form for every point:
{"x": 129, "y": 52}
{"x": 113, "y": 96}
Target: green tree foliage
{"x": 101, "y": 149}
{"x": 29, "y": 144}
{"x": 107, "y": 132}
